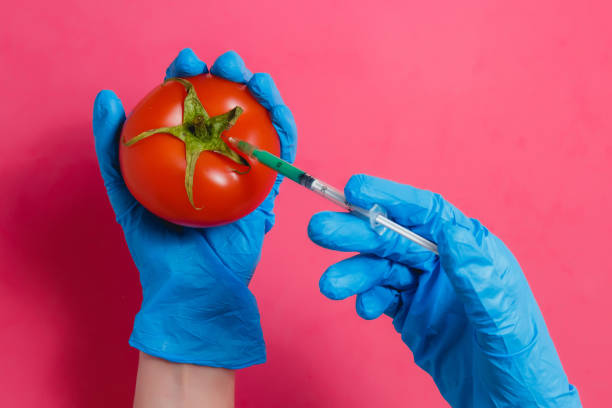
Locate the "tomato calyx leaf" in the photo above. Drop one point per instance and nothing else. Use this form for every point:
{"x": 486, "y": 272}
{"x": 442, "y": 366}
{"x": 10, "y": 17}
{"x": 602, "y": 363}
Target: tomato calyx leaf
{"x": 200, "y": 133}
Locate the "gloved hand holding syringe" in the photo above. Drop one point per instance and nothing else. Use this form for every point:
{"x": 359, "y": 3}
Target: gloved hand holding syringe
{"x": 376, "y": 214}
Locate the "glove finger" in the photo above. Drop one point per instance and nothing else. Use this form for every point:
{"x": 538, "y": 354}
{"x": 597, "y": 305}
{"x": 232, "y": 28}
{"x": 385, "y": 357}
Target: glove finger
{"x": 362, "y": 272}
{"x": 108, "y": 117}
{"x": 283, "y": 122}
{"x": 349, "y": 233}
{"x": 495, "y": 294}
{"x": 376, "y": 301}
{"x": 230, "y": 66}
{"x": 420, "y": 210}
{"x": 186, "y": 64}
{"x": 266, "y": 208}
{"x": 286, "y": 129}
{"x": 264, "y": 89}
{"x": 285, "y": 126}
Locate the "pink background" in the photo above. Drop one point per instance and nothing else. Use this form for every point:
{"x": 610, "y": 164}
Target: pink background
{"x": 503, "y": 107}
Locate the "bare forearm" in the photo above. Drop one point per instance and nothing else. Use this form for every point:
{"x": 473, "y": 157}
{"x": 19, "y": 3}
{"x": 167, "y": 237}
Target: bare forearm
{"x": 163, "y": 384}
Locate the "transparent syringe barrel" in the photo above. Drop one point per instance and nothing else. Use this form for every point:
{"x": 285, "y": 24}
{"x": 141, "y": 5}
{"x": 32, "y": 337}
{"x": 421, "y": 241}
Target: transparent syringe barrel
{"x": 376, "y": 215}
{"x": 336, "y": 196}
{"x": 329, "y": 192}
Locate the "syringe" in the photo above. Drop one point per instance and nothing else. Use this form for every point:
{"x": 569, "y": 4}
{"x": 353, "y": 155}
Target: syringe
{"x": 376, "y": 214}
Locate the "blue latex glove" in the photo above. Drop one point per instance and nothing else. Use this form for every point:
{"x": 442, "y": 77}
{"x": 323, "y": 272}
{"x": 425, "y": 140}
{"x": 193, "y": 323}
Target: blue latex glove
{"x": 468, "y": 316}
{"x": 196, "y": 305}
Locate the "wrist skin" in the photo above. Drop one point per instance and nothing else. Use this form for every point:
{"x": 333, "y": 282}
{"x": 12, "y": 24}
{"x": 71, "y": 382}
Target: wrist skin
{"x": 164, "y": 384}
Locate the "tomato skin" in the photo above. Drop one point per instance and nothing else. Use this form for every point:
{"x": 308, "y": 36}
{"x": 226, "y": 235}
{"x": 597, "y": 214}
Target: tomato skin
{"x": 154, "y": 168}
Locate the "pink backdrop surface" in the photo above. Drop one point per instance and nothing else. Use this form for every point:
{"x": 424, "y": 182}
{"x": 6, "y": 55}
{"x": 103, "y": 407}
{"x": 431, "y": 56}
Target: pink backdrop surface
{"x": 503, "y": 107}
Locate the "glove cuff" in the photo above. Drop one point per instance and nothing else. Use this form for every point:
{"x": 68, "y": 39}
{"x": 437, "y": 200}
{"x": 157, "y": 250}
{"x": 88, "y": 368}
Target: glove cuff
{"x": 258, "y": 357}
{"x": 535, "y": 371}
{"x": 231, "y": 342}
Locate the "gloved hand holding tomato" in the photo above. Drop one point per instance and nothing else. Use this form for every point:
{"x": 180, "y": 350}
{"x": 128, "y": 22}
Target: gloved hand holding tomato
{"x": 196, "y": 307}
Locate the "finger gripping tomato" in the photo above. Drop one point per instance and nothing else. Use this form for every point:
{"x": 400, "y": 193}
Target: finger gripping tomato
{"x": 175, "y": 157}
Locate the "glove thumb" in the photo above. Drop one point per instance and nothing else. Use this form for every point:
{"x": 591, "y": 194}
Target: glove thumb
{"x": 108, "y": 117}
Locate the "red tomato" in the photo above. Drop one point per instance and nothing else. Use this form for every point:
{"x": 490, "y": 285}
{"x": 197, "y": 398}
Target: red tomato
{"x": 154, "y": 168}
